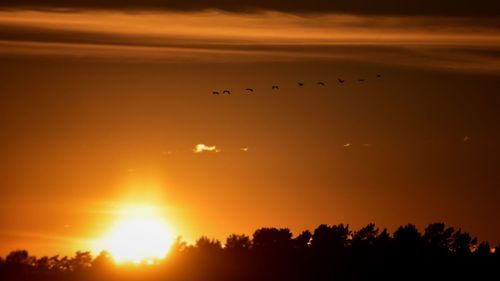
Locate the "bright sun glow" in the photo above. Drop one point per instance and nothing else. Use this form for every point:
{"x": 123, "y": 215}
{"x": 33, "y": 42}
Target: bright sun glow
{"x": 140, "y": 235}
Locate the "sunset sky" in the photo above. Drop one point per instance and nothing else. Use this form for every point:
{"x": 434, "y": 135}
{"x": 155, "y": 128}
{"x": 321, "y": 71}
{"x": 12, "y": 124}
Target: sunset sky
{"x": 109, "y": 104}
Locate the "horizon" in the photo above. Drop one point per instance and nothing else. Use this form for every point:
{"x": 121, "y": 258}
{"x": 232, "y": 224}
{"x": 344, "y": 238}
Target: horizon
{"x": 179, "y": 245}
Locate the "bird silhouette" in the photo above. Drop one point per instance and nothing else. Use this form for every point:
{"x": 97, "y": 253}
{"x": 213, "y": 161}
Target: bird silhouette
{"x": 300, "y": 84}
{"x": 249, "y": 89}
{"x": 379, "y": 76}
{"x": 215, "y": 93}
{"x": 341, "y": 80}
{"x": 361, "y": 80}
{"x": 321, "y": 83}
{"x": 275, "y": 87}
{"x": 226, "y": 92}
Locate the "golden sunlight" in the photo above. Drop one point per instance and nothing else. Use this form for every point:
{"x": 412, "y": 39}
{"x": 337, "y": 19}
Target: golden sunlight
{"x": 140, "y": 235}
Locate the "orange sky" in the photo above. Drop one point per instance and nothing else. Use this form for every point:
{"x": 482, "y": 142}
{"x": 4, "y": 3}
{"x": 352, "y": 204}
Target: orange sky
{"x": 103, "y": 108}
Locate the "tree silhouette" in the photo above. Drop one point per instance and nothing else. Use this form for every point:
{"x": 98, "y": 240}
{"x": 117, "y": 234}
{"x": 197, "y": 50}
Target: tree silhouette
{"x": 81, "y": 261}
{"x": 438, "y": 238}
{"x": 483, "y": 249}
{"x": 331, "y": 238}
{"x": 18, "y": 258}
{"x": 367, "y": 233}
{"x": 462, "y": 243}
{"x": 303, "y": 240}
{"x": 206, "y": 244}
{"x": 408, "y": 240}
{"x": 238, "y": 242}
{"x": 329, "y": 253}
{"x": 103, "y": 260}
{"x": 272, "y": 239}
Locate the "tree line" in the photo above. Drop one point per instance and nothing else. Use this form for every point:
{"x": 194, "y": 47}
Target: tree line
{"x": 330, "y": 252}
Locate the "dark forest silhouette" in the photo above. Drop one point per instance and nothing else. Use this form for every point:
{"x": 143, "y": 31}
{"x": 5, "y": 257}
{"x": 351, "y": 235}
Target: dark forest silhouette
{"x": 329, "y": 253}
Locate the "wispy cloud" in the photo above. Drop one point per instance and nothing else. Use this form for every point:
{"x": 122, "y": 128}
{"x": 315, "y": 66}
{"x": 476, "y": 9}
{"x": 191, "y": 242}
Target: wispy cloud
{"x": 478, "y": 8}
{"x": 199, "y": 148}
{"x": 433, "y": 42}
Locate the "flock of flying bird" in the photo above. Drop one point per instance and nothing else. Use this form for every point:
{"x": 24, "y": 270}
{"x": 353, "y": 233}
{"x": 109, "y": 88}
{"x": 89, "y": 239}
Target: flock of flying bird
{"x": 300, "y": 84}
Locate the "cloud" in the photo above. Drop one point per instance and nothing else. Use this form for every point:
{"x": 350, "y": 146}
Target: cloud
{"x": 463, "y": 8}
{"x": 244, "y": 149}
{"x": 447, "y": 43}
{"x": 347, "y": 145}
{"x": 200, "y": 148}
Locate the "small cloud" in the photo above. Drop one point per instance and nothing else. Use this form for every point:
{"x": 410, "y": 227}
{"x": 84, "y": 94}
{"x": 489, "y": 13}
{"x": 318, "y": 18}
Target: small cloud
{"x": 347, "y": 145}
{"x": 166, "y": 153}
{"x": 199, "y": 148}
{"x": 367, "y": 144}
{"x": 244, "y": 149}
{"x": 466, "y": 139}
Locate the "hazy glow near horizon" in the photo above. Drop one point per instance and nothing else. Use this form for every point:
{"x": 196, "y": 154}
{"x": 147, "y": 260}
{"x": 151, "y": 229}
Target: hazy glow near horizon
{"x": 140, "y": 235}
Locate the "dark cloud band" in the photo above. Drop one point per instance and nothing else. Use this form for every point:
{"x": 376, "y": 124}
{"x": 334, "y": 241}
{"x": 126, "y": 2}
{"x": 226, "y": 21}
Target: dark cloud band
{"x": 462, "y": 8}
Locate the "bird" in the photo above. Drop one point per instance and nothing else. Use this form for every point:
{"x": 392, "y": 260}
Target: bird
{"x": 275, "y": 87}
{"x": 249, "y": 89}
{"x": 226, "y": 92}
{"x": 379, "y": 76}
{"x": 341, "y": 80}
{"x": 361, "y": 80}
{"x": 215, "y": 93}
{"x": 300, "y": 84}
{"x": 321, "y": 83}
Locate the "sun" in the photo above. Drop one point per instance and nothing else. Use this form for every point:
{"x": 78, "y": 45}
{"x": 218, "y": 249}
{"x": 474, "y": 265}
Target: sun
{"x": 139, "y": 235}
